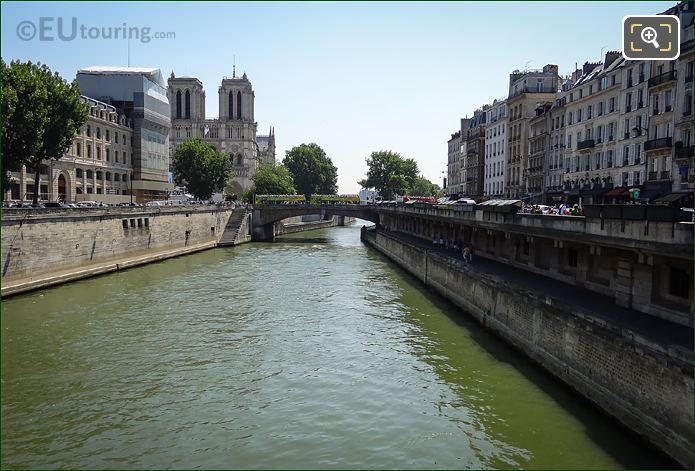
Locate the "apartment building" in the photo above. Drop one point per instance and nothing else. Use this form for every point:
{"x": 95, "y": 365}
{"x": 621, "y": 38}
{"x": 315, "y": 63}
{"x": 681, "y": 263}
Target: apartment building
{"x": 495, "y": 148}
{"x": 97, "y": 166}
{"x": 453, "y": 163}
{"x": 592, "y": 116}
{"x": 555, "y": 168}
{"x": 475, "y": 153}
{"x": 539, "y": 150}
{"x": 526, "y": 90}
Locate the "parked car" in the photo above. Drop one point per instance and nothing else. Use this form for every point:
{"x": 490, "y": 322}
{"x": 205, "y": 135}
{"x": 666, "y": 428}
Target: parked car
{"x": 55, "y": 205}
{"x": 37, "y": 206}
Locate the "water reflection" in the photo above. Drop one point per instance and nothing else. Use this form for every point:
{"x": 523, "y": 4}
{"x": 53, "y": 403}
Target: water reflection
{"x": 312, "y": 351}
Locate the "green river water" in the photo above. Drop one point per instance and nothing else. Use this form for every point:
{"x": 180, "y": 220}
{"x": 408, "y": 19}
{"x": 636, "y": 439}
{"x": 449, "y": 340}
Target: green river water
{"x": 310, "y": 352}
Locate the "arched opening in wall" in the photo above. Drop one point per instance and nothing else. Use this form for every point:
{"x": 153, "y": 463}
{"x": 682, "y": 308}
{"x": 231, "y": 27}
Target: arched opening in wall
{"x": 188, "y": 104}
{"x": 62, "y": 188}
{"x": 239, "y": 159}
{"x": 238, "y": 105}
{"x": 178, "y": 104}
{"x": 230, "y": 112}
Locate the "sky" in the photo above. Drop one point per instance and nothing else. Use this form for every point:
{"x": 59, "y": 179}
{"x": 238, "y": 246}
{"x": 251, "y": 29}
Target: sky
{"x": 352, "y": 77}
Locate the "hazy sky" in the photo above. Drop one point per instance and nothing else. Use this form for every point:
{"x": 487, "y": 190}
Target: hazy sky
{"x": 352, "y": 77}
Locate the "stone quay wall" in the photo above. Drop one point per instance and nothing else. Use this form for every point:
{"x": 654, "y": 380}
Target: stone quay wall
{"x": 53, "y": 244}
{"x": 645, "y": 386}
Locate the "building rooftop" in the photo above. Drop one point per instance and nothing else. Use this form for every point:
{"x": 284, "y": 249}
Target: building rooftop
{"x": 154, "y": 75}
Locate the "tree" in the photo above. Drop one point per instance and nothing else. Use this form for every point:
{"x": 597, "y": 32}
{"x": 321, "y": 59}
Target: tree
{"x": 272, "y": 180}
{"x": 41, "y": 113}
{"x": 390, "y": 174}
{"x": 424, "y": 187}
{"x": 201, "y": 168}
{"x": 312, "y": 170}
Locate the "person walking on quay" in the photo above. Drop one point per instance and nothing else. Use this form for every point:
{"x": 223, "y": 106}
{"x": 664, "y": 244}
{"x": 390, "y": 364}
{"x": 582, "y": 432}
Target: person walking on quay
{"x": 466, "y": 254}
{"x": 471, "y": 249}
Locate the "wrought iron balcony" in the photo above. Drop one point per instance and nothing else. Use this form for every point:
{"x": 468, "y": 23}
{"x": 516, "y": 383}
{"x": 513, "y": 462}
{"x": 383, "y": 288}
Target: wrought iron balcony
{"x": 585, "y": 144}
{"x": 663, "y": 78}
{"x": 652, "y": 176}
{"x": 660, "y": 143}
{"x": 665, "y": 175}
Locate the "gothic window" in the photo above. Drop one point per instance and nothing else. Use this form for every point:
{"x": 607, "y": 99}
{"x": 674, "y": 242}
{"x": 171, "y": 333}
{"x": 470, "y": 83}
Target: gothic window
{"x": 188, "y": 104}
{"x": 178, "y": 104}
{"x": 231, "y": 105}
{"x": 238, "y": 105}
{"x": 239, "y": 159}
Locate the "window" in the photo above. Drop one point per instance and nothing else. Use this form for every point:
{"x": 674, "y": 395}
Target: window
{"x": 178, "y": 104}
{"x": 79, "y": 149}
{"x": 78, "y": 173}
{"x": 600, "y": 108}
{"x": 115, "y": 155}
{"x": 116, "y": 177}
{"x": 115, "y": 137}
{"x": 668, "y": 101}
{"x": 90, "y": 174}
{"x": 188, "y": 104}
{"x": 539, "y": 85}
{"x": 89, "y": 151}
{"x": 238, "y": 105}
{"x": 679, "y": 283}
{"x": 579, "y": 115}
{"x": 611, "y": 105}
{"x": 98, "y": 132}
{"x": 124, "y": 222}
{"x": 89, "y": 131}
{"x": 588, "y": 112}
{"x": 572, "y": 257}
{"x": 108, "y": 155}
{"x": 108, "y": 135}
{"x": 98, "y": 153}
{"x": 99, "y": 175}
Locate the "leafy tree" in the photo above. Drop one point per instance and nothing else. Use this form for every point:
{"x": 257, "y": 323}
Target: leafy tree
{"x": 41, "y": 113}
{"x": 390, "y": 174}
{"x": 423, "y": 187}
{"x": 201, "y": 168}
{"x": 312, "y": 170}
{"x": 272, "y": 180}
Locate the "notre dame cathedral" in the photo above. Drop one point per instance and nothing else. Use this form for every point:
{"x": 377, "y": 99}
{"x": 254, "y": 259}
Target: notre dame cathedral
{"x": 233, "y": 133}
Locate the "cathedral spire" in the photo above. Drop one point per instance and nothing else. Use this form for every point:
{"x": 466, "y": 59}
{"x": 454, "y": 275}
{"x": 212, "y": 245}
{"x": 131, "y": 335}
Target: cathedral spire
{"x": 234, "y": 66}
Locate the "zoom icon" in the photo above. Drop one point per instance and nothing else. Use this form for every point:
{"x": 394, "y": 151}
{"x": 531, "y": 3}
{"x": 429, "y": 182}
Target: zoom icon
{"x": 651, "y": 37}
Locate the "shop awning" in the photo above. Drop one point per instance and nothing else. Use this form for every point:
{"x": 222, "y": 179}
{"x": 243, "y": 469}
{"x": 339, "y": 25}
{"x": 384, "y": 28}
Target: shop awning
{"x": 617, "y": 192}
{"x": 673, "y": 198}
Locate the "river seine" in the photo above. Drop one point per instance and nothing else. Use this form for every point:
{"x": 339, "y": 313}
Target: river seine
{"x": 310, "y": 352}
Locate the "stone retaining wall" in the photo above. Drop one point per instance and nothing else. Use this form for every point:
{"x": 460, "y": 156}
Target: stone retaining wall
{"x": 36, "y": 244}
{"x": 646, "y": 387}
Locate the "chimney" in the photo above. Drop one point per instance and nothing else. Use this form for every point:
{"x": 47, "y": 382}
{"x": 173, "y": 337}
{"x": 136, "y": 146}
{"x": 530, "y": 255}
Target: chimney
{"x": 611, "y": 56}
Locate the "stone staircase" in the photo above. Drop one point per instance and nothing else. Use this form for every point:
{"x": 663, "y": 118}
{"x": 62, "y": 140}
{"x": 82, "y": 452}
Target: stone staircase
{"x": 231, "y": 230}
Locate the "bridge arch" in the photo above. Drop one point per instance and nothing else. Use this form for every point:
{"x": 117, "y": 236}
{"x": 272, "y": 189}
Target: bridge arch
{"x": 265, "y": 216}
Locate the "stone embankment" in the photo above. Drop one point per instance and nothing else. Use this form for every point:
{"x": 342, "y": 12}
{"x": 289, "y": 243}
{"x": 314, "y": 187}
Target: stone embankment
{"x": 636, "y": 368}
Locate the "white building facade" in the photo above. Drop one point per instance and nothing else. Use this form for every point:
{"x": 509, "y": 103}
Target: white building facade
{"x": 495, "y": 148}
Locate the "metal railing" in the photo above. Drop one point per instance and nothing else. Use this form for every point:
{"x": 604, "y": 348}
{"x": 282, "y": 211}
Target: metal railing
{"x": 660, "y": 143}
{"x": 663, "y": 78}
{"x": 585, "y": 144}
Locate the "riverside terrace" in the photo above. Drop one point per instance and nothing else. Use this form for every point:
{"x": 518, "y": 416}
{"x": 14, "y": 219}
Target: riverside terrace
{"x": 639, "y": 256}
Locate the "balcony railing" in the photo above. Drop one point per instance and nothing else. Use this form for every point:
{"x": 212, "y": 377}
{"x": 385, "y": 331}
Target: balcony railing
{"x": 663, "y": 78}
{"x": 585, "y": 144}
{"x": 665, "y": 175}
{"x": 661, "y": 143}
{"x": 652, "y": 176}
